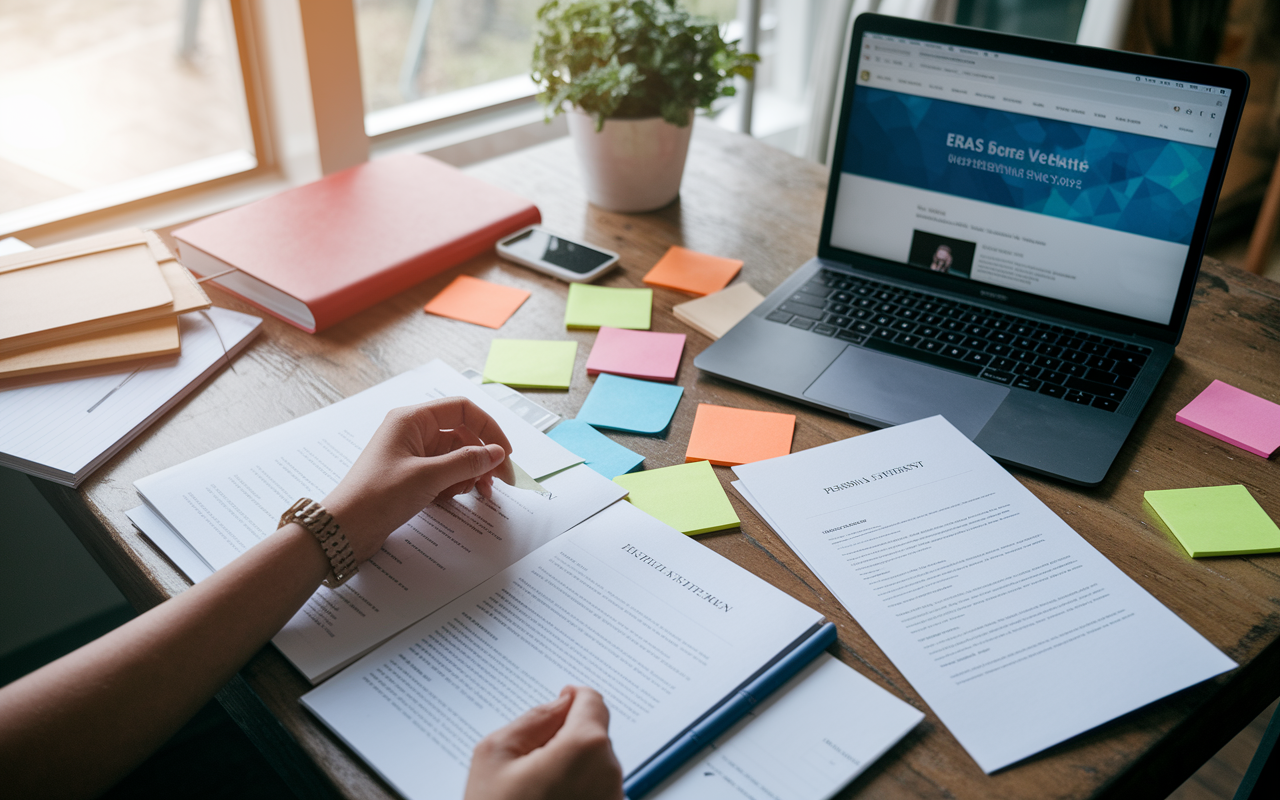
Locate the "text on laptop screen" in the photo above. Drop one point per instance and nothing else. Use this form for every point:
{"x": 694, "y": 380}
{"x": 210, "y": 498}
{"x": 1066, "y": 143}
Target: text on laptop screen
{"x": 1072, "y": 183}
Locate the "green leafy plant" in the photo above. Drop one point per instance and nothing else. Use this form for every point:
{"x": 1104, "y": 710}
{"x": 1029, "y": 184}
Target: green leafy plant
{"x": 631, "y": 59}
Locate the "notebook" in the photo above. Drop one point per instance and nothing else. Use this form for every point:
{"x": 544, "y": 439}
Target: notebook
{"x": 1011, "y": 238}
{"x": 64, "y": 431}
{"x": 80, "y": 287}
{"x": 318, "y": 253}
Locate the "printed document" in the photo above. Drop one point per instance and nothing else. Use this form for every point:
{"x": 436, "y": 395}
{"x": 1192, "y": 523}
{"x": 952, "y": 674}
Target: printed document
{"x": 225, "y": 501}
{"x": 663, "y": 627}
{"x": 807, "y": 742}
{"x": 1015, "y": 630}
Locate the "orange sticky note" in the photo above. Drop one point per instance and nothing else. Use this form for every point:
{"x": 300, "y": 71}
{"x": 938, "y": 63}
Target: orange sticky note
{"x": 732, "y": 436}
{"x": 473, "y": 300}
{"x": 693, "y": 272}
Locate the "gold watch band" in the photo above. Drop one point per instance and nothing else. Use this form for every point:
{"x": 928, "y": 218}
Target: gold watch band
{"x": 321, "y": 524}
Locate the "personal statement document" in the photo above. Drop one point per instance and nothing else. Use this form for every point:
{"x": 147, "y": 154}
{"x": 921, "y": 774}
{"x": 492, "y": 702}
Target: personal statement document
{"x": 1011, "y": 626}
{"x": 227, "y": 500}
{"x": 663, "y": 627}
{"x": 807, "y": 742}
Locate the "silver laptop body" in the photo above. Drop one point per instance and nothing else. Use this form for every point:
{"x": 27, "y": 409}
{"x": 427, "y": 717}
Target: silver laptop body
{"x": 1011, "y": 239}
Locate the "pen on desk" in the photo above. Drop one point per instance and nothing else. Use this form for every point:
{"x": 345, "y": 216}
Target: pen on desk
{"x": 647, "y": 777}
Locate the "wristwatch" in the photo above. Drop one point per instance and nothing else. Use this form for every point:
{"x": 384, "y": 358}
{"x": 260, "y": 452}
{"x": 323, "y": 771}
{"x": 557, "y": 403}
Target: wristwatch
{"x": 321, "y": 524}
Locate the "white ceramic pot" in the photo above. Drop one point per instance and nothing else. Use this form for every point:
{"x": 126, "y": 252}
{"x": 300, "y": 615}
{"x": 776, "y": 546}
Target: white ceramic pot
{"x": 631, "y": 165}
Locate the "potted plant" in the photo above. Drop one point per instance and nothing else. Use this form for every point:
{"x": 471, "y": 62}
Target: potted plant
{"x": 630, "y": 74}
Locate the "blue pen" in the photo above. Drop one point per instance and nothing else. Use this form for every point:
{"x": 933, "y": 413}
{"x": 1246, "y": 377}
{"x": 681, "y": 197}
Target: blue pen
{"x": 647, "y": 777}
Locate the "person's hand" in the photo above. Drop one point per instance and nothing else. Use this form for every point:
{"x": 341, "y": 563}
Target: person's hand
{"x": 557, "y": 750}
{"x": 418, "y": 454}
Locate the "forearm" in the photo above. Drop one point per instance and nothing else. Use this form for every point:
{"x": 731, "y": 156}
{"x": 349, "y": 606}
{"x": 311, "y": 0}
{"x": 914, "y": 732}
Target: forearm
{"x": 81, "y": 723}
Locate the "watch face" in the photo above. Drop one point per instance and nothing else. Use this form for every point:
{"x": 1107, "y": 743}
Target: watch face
{"x": 536, "y": 245}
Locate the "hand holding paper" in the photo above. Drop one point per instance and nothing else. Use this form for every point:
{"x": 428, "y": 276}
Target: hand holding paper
{"x": 418, "y": 454}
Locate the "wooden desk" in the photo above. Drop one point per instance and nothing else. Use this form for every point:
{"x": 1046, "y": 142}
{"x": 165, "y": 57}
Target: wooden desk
{"x": 746, "y": 200}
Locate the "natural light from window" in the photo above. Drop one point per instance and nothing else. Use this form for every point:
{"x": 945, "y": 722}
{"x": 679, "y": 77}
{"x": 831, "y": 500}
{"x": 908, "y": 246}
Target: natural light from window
{"x": 108, "y": 98}
{"x": 426, "y": 60}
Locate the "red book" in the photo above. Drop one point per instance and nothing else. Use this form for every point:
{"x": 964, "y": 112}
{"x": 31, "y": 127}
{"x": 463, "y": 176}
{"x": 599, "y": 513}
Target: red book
{"x": 317, "y": 254}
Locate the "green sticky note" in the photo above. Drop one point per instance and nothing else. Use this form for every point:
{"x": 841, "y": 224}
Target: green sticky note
{"x": 592, "y": 306}
{"x": 1216, "y": 520}
{"x": 530, "y": 364}
{"x": 687, "y": 497}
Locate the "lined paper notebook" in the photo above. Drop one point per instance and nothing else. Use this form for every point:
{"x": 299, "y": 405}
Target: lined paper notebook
{"x": 64, "y": 431}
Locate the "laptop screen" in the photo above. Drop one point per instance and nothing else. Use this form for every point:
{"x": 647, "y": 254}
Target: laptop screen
{"x": 1072, "y": 183}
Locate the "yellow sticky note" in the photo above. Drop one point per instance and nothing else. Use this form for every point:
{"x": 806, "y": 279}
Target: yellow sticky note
{"x": 688, "y": 497}
{"x": 530, "y": 364}
{"x": 592, "y": 306}
{"x": 1215, "y": 520}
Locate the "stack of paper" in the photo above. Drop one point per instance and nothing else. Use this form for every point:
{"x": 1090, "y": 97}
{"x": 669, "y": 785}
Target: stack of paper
{"x": 91, "y": 302}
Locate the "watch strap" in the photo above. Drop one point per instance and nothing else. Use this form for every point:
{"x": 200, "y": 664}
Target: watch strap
{"x": 320, "y": 523}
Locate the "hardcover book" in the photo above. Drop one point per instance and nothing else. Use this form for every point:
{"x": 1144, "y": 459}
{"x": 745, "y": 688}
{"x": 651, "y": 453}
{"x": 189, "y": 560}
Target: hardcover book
{"x": 319, "y": 253}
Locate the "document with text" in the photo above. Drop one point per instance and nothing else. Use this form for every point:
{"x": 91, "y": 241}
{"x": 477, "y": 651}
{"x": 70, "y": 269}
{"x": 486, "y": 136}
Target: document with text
{"x": 1014, "y": 629}
{"x": 225, "y": 501}
{"x": 807, "y": 742}
{"x": 663, "y": 627}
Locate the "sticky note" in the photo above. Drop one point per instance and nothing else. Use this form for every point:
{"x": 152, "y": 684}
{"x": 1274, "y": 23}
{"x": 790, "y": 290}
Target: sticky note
{"x": 693, "y": 272}
{"x": 1216, "y": 520}
{"x": 648, "y": 355}
{"x": 1236, "y": 417}
{"x": 525, "y": 481}
{"x": 473, "y": 300}
{"x": 626, "y": 404}
{"x": 592, "y": 306}
{"x": 732, "y": 436}
{"x": 688, "y": 497}
{"x": 600, "y": 453}
{"x": 715, "y": 314}
{"x": 530, "y": 364}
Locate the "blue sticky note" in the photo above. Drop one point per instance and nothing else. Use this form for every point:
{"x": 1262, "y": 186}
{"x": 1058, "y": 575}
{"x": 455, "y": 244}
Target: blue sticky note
{"x": 601, "y": 453}
{"x": 626, "y": 404}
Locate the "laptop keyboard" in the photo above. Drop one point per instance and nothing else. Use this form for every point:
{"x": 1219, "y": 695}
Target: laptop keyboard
{"x": 1054, "y": 360}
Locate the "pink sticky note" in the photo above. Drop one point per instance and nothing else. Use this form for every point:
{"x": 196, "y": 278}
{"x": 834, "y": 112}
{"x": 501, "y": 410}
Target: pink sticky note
{"x": 647, "y": 355}
{"x": 1236, "y": 417}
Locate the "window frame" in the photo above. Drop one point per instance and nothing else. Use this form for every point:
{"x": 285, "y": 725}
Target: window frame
{"x": 306, "y": 119}
{"x": 147, "y": 197}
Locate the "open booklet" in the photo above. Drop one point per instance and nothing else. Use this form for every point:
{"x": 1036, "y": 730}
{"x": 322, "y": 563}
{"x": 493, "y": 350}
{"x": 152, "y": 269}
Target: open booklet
{"x": 1011, "y": 626}
{"x": 667, "y": 630}
{"x": 225, "y": 501}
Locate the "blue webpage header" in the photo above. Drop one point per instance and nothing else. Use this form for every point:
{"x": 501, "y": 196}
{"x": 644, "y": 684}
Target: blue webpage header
{"x": 1123, "y": 181}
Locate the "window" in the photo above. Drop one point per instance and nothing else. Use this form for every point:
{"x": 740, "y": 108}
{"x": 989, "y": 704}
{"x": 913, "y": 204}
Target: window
{"x": 103, "y": 103}
{"x": 153, "y": 112}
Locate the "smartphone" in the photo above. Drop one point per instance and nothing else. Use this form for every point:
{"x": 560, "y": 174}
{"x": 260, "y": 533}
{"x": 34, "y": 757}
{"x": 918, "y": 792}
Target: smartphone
{"x": 557, "y": 256}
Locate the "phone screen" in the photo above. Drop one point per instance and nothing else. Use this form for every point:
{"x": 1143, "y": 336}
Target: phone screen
{"x": 537, "y": 245}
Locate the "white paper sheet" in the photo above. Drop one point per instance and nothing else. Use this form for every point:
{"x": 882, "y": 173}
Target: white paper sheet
{"x": 807, "y": 742}
{"x": 1011, "y": 626}
{"x": 63, "y": 431}
{"x": 169, "y": 543}
{"x": 224, "y": 502}
{"x": 663, "y": 627}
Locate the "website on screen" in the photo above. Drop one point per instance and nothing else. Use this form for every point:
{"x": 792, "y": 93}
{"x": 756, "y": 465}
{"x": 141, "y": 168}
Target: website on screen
{"x": 1066, "y": 182}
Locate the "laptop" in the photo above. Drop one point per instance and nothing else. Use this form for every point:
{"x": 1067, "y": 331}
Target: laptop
{"x": 1011, "y": 239}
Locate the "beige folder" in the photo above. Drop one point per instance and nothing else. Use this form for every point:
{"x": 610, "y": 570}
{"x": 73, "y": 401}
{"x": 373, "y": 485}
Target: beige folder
{"x": 142, "y": 340}
{"x": 75, "y": 289}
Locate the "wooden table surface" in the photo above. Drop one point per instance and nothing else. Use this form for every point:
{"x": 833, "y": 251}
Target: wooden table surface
{"x": 745, "y": 200}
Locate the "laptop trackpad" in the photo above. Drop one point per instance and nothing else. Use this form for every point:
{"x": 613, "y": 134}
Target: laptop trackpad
{"x": 888, "y": 390}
